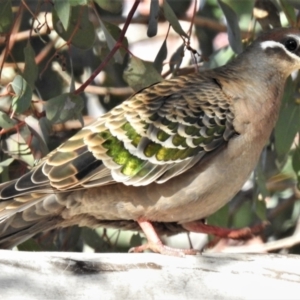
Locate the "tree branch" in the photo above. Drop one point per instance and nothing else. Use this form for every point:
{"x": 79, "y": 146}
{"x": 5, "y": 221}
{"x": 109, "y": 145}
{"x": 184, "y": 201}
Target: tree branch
{"x": 42, "y": 275}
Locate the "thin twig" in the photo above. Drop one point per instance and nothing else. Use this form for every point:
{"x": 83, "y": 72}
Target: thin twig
{"x": 98, "y": 90}
{"x": 113, "y": 51}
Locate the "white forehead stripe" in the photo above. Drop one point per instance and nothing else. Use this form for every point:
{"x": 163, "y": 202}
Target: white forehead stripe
{"x": 270, "y": 44}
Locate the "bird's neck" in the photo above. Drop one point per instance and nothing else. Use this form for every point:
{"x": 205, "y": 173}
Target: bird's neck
{"x": 246, "y": 78}
{"x": 255, "y": 90}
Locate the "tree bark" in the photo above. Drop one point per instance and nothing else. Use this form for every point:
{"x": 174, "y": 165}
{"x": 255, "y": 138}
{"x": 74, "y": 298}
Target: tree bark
{"x": 51, "y": 275}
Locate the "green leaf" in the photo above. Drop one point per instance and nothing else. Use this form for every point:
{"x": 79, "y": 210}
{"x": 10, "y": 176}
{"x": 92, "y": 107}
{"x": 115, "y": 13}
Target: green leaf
{"x": 140, "y": 74}
{"x": 293, "y": 3}
{"x": 220, "y": 218}
{"x": 176, "y": 58}
{"x": 234, "y": 33}
{"x": 260, "y": 205}
{"x": 289, "y": 11}
{"x": 93, "y": 239}
{"x": 31, "y": 245}
{"x": 172, "y": 19}
{"x": 288, "y": 122}
{"x": 6, "y": 16}
{"x": 64, "y": 107}
{"x": 296, "y": 161}
{"x": 80, "y": 32}
{"x": 38, "y": 141}
{"x": 23, "y": 94}
{"x": 110, "y": 31}
{"x": 16, "y": 146}
{"x": 260, "y": 178}
{"x": 30, "y": 73}
{"x": 160, "y": 57}
{"x": 261, "y": 210}
{"x": 102, "y": 49}
{"x": 135, "y": 240}
{"x": 113, "y": 6}
{"x": 153, "y": 18}
{"x": 5, "y": 163}
{"x": 63, "y": 9}
{"x": 296, "y": 164}
{"x": 78, "y": 2}
{"x": 243, "y": 216}
{"x": 219, "y": 57}
{"x": 5, "y": 121}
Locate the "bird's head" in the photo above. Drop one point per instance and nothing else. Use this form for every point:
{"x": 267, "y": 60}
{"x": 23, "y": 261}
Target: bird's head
{"x": 274, "y": 55}
{"x": 261, "y": 71}
{"x": 266, "y": 63}
{"x": 281, "y": 47}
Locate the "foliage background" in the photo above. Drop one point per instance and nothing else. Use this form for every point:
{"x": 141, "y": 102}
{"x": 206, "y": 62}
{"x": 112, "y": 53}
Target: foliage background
{"x": 64, "y": 62}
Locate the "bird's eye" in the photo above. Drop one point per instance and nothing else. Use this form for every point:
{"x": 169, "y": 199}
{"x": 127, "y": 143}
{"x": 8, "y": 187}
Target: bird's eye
{"x": 291, "y": 44}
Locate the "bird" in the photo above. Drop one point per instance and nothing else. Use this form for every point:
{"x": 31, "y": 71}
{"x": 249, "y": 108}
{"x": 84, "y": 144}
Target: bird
{"x": 166, "y": 158}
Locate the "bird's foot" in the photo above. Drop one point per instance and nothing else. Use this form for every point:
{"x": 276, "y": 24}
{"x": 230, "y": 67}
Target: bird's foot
{"x": 159, "y": 247}
{"x": 155, "y": 244}
{"x": 236, "y": 234}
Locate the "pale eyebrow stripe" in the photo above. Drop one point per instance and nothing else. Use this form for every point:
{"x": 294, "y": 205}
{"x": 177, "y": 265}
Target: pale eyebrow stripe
{"x": 272, "y": 44}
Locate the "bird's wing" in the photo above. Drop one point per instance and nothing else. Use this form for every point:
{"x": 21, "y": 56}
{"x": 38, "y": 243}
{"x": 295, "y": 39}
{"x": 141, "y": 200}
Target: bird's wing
{"x": 155, "y": 135}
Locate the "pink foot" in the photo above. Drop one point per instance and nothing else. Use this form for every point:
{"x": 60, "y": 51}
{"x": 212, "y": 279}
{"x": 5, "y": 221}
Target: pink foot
{"x": 154, "y": 243}
{"x": 236, "y": 234}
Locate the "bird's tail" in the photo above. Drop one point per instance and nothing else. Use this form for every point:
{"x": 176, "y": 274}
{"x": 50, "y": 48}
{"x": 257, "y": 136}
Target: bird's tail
{"x": 20, "y": 219}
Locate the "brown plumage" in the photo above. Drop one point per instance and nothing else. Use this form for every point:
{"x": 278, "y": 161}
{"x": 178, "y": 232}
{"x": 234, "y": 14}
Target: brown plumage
{"x": 171, "y": 154}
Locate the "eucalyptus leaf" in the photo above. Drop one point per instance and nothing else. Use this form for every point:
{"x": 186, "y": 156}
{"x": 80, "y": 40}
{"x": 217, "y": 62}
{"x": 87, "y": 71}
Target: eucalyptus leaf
{"x": 93, "y": 239}
{"x": 233, "y": 29}
{"x": 220, "y": 218}
{"x": 140, "y": 74}
{"x": 63, "y": 11}
{"x": 176, "y": 58}
{"x": 260, "y": 205}
{"x": 23, "y": 94}
{"x": 78, "y": 2}
{"x": 5, "y": 163}
{"x": 113, "y": 6}
{"x": 296, "y": 161}
{"x": 31, "y": 245}
{"x": 6, "y": 122}
{"x": 80, "y": 32}
{"x": 172, "y": 19}
{"x": 160, "y": 57}
{"x": 111, "y": 42}
{"x": 135, "y": 240}
{"x": 30, "y": 73}
{"x": 15, "y": 145}
{"x": 219, "y": 57}
{"x": 288, "y": 122}
{"x": 153, "y": 18}
{"x": 64, "y": 107}
{"x": 38, "y": 142}
{"x": 261, "y": 181}
{"x": 293, "y": 3}
{"x": 289, "y": 11}
{"x": 243, "y": 216}
{"x": 6, "y": 16}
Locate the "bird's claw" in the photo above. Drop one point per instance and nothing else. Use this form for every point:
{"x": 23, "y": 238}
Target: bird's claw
{"x": 159, "y": 247}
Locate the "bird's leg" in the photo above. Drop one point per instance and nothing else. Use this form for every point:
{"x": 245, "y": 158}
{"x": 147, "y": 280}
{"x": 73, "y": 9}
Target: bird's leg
{"x": 155, "y": 244}
{"x": 236, "y": 234}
